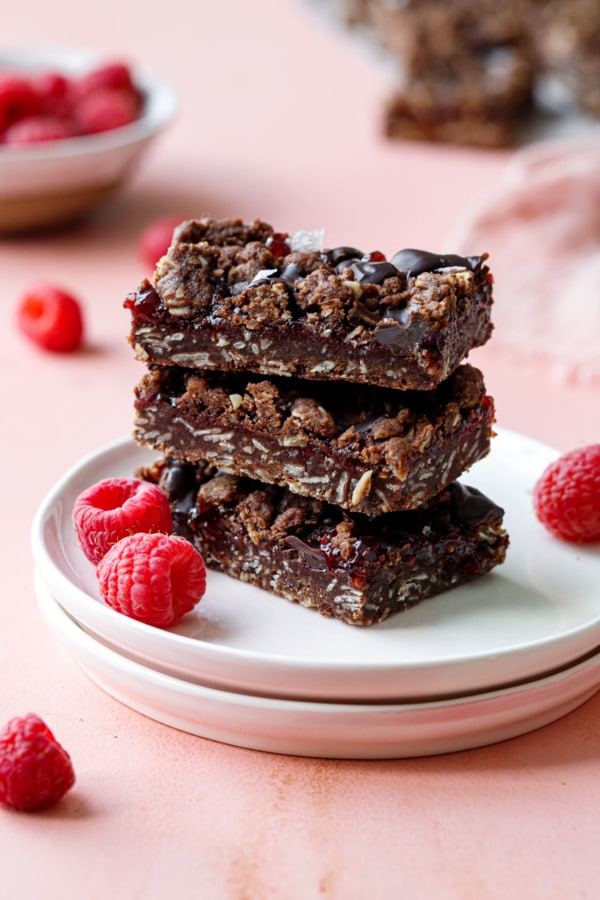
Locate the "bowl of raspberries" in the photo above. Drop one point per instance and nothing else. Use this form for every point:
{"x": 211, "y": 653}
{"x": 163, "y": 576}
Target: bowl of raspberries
{"x": 72, "y": 129}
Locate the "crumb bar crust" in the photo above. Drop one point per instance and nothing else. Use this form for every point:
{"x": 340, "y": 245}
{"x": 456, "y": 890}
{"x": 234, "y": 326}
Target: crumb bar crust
{"x": 231, "y": 296}
{"x": 350, "y": 567}
{"x": 371, "y": 450}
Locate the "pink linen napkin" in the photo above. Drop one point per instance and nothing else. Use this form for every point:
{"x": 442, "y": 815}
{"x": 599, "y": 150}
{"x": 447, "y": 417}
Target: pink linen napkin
{"x": 541, "y": 227}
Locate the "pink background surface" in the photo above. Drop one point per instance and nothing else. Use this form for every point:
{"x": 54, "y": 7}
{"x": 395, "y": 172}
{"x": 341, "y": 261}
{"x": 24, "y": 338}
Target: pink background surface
{"x": 277, "y": 119}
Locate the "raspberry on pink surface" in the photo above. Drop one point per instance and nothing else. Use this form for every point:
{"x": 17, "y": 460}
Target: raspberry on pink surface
{"x": 35, "y": 770}
{"x": 154, "y": 578}
{"x": 51, "y": 317}
{"x": 566, "y": 497}
{"x": 155, "y": 239}
{"x": 114, "y": 508}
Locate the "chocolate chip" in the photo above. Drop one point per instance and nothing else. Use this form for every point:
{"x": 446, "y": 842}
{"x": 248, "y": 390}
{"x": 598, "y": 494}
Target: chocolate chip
{"x": 340, "y": 254}
{"x": 180, "y": 486}
{"x": 390, "y": 335}
{"x": 470, "y": 505}
{"x": 291, "y": 273}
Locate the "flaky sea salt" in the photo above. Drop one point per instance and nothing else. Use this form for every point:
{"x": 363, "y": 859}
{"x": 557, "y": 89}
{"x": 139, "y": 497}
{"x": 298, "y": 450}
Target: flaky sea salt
{"x": 307, "y": 241}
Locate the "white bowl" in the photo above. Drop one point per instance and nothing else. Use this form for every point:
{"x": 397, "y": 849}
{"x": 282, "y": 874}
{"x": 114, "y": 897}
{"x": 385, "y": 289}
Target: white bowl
{"x": 56, "y": 181}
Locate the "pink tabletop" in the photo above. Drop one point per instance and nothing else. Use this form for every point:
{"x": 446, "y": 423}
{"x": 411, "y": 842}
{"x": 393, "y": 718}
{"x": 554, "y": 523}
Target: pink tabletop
{"x": 278, "y": 119}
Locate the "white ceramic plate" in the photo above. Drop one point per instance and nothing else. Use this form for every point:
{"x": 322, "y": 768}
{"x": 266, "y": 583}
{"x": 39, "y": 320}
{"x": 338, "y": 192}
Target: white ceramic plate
{"x": 536, "y": 613}
{"x": 333, "y": 730}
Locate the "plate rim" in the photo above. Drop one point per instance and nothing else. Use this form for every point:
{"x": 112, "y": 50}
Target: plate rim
{"x": 398, "y": 729}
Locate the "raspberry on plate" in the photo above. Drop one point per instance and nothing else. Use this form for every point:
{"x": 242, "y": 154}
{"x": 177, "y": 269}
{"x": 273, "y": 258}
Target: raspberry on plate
{"x": 51, "y": 318}
{"x": 114, "y": 508}
{"x": 35, "y": 771}
{"x": 154, "y": 578}
{"x": 566, "y": 497}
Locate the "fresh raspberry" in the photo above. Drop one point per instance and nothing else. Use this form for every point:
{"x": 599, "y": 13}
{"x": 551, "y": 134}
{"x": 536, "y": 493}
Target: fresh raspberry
{"x": 109, "y": 76}
{"x": 100, "y": 100}
{"x": 54, "y": 91}
{"x": 35, "y": 129}
{"x": 35, "y": 771}
{"x": 105, "y": 110}
{"x": 17, "y": 99}
{"x": 116, "y": 508}
{"x": 566, "y": 498}
{"x": 155, "y": 578}
{"x": 155, "y": 240}
{"x": 51, "y": 317}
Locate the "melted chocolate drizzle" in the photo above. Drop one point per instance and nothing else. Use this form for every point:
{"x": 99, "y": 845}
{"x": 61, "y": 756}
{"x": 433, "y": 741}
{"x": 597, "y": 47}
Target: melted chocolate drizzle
{"x": 470, "y": 505}
{"x": 366, "y": 271}
{"x": 372, "y": 272}
{"x": 340, "y": 255}
{"x": 180, "y": 486}
{"x": 415, "y": 262}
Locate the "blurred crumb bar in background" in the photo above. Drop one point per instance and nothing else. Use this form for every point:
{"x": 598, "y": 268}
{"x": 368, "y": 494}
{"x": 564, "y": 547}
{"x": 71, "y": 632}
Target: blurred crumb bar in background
{"x": 475, "y": 72}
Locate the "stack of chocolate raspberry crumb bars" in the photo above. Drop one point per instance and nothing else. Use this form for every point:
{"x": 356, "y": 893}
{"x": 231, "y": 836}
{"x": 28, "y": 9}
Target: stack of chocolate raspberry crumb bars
{"x": 313, "y": 411}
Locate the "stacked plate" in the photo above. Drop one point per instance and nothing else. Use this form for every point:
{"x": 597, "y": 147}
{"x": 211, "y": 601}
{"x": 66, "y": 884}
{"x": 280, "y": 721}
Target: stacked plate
{"x": 488, "y": 661}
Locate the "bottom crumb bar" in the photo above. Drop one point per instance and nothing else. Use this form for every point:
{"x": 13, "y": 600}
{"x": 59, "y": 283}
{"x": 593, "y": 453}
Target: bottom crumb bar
{"x": 347, "y": 566}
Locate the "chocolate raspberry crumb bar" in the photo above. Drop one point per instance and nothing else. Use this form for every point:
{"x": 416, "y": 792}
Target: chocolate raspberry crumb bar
{"x": 346, "y": 566}
{"x": 236, "y": 296}
{"x": 371, "y": 450}
{"x": 464, "y": 72}
{"x": 313, "y": 411}
{"x": 474, "y": 106}
{"x": 481, "y": 73}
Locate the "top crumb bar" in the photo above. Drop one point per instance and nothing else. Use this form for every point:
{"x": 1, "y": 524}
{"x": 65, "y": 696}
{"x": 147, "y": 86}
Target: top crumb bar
{"x": 230, "y": 295}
